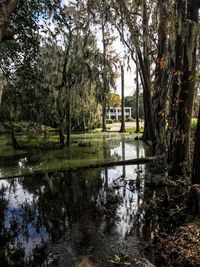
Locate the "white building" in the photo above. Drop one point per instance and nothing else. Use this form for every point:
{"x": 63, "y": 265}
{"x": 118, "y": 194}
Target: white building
{"x": 115, "y": 113}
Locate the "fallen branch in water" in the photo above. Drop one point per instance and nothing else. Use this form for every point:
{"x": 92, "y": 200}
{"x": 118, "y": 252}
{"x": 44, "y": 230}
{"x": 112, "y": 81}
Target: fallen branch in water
{"x": 90, "y": 166}
{"x": 122, "y": 162}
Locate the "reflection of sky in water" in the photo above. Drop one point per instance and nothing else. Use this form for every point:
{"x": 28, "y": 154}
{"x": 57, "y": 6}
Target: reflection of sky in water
{"x": 130, "y": 151}
{"x": 31, "y": 235}
{"x": 18, "y": 198}
{"x": 131, "y": 197}
{"x": 16, "y": 194}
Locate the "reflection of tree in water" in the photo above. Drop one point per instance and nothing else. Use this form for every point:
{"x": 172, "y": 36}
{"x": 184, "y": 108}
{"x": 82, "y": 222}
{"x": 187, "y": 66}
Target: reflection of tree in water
{"x": 151, "y": 216}
{"x": 79, "y": 206}
{"x": 4, "y": 239}
{"x": 55, "y": 204}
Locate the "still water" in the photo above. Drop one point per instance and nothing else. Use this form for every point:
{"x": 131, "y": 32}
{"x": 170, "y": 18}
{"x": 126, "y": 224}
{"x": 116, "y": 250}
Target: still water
{"x": 73, "y": 218}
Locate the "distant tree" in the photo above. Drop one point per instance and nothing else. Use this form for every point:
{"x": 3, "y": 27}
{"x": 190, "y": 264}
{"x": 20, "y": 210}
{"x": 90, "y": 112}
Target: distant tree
{"x": 100, "y": 11}
{"x": 130, "y": 101}
{"x": 113, "y": 100}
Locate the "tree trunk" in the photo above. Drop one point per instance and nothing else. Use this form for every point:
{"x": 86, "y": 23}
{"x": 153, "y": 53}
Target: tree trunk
{"x": 177, "y": 77}
{"x": 2, "y": 84}
{"x": 161, "y": 79}
{"x": 122, "y": 129}
{"x": 105, "y": 82}
{"x": 149, "y": 132}
{"x": 104, "y": 115}
{"x": 61, "y": 136}
{"x": 194, "y": 199}
{"x": 143, "y": 59}
{"x": 145, "y": 75}
{"x": 148, "y": 109}
{"x": 181, "y": 145}
{"x": 68, "y": 120}
{"x": 13, "y": 138}
{"x": 196, "y": 157}
{"x": 137, "y": 100}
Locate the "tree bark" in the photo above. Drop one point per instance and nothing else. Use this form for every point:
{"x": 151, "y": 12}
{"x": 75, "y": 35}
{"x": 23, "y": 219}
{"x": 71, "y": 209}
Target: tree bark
{"x": 104, "y": 114}
{"x": 13, "y": 138}
{"x": 161, "y": 79}
{"x": 122, "y": 129}
{"x": 137, "y": 100}
{"x": 181, "y": 143}
{"x": 143, "y": 59}
{"x": 196, "y": 157}
{"x": 2, "y": 84}
{"x": 68, "y": 119}
{"x": 105, "y": 83}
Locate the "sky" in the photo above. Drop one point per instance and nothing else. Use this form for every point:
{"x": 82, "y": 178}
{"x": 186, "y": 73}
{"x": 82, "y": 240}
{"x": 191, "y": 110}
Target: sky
{"x": 128, "y": 72}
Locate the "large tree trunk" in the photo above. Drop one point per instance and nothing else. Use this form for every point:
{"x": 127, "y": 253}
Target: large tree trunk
{"x": 143, "y": 60}
{"x": 122, "y": 129}
{"x": 137, "y": 99}
{"x": 176, "y": 86}
{"x": 196, "y": 157}
{"x": 184, "y": 99}
{"x": 148, "y": 108}
{"x": 161, "y": 79}
{"x": 144, "y": 63}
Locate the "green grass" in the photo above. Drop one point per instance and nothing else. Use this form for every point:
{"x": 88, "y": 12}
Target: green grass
{"x": 133, "y": 129}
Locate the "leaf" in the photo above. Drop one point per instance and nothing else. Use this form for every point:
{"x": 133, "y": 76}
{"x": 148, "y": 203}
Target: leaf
{"x": 127, "y": 263}
{"x": 117, "y": 258}
{"x": 112, "y": 261}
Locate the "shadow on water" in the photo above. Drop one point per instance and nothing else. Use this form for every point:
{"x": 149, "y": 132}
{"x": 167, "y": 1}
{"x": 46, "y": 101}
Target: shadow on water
{"x": 85, "y": 216}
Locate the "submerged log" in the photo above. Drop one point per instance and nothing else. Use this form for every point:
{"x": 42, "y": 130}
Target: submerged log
{"x": 90, "y": 166}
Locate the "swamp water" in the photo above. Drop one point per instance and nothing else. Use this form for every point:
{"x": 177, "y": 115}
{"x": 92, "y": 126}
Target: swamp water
{"x": 74, "y": 218}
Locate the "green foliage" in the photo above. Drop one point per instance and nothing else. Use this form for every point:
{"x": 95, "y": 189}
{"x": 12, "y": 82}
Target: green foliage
{"x": 20, "y": 127}
{"x": 113, "y": 100}
{"x": 130, "y": 101}
{"x": 97, "y": 124}
{"x": 109, "y": 121}
{"x": 118, "y": 261}
{"x": 133, "y": 130}
{"x": 130, "y": 120}
{"x": 194, "y": 124}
